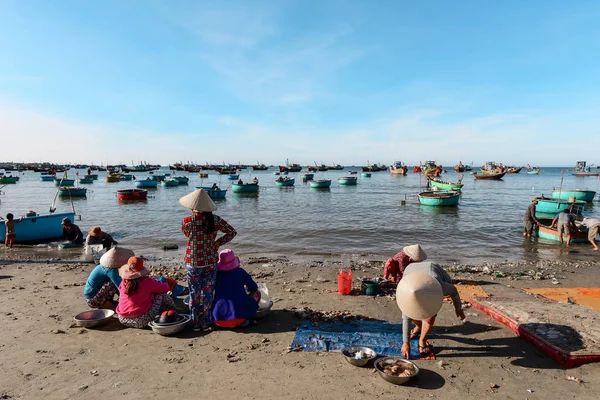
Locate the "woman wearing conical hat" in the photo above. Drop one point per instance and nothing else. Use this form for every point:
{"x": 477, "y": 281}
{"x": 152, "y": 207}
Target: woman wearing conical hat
{"x": 103, "y": 282}
{"x": 202, "y": 253}
{"x": 395, "y": 266}
{"x": 419, "y": 296}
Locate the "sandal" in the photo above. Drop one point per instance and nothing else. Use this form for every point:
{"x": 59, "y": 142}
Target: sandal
{"x": 424, "y": 350}
{"x": 414, "y": 335}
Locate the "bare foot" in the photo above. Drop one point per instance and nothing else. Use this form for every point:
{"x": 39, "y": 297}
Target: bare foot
{"x": 596, "y": 249}
{"x": 524, "y": 234}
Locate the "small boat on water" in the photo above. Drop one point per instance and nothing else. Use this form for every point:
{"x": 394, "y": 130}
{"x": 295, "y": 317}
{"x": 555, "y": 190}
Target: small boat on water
{"x": 353, "y": 172}
{"x": 233, "y": 177}
{"x": 460, "y": 167}
{"x": 365, "y": 174}
{"x": 158, "y": 178}
{"x": 147, "y": 183}
{"x": 398, "y": 168}
{"x": 126, "y": 177}
{"x": 35, "y": 228}
{"x": 290, "y": 167}
{"x": 491, "y": 168}
{"x": 85, "y": 181}
{"x": 496, "y": 177}
{"x": 63, "y": 182}
{"x": 574, "y": 194}
{"x": 169, "y": 182}
{"x": 244, "y": 187}
{"x": 439, "y": 198}
{"x": 182, "y": 180}
{"x": 47, "y": 178}
{"x": 347, "y": 180}
{"x": 4, "y": 180}
{"x": 307, "y": 177}
{"x": 202, "y": 175}
{"x": 132, "y": 194}
{"x": 320, "y": 184}
{"x": 582, "y": 169}
{"x": 113, "y": 178}
{"x": 554, "y": 206}
{"x": 335, "y": 167}
{"x": 259, "y": 167}
{"x": 545, "y": 232}
{"x": 93, "y": 176}
{"x": 213, "y": 193}
{"x": 456, "y": 186}
{"x": 67, "y": 191}
{"x": 285, "y": 181}
{"x": 513, "y": 170}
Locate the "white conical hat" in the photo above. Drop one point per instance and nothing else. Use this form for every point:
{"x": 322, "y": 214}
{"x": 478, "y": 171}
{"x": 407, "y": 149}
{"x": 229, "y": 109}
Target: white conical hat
{"x": 115, "y": 257}
{"x": 198, "y": 200}
{"x": 419, "y": 295}
{"x": 415, "y": 252}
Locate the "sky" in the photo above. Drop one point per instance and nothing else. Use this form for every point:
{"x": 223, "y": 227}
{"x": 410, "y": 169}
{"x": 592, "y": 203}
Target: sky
{"x": 322, "y": 81}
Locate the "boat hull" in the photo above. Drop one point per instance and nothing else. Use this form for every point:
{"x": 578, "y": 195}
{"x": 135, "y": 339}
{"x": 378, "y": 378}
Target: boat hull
{"x": 321, "y": 184}
{"x": 215, "y": 194}
{"x": 39, "y": 228}
{"x": 113, "y": 179}
{"x": 446, "y": 185}
{"x": 170, "y": 183}
{"x": 132, "y": 194}
{"x": 47, "y": 178}
{"x": 146, "y": 184}
{"x": 85, "y": 181}
{"x": 491, "y": 177}
{"x": 72, "y": 192}
{"x": 64, "y": 182}
{"x": 365, "y": 174}
{"x": 245, "y": 188}
{"x": 439, "y": 199}
{"x": 287, "y": 182}
{"x": 347, "y": 181}
{"x": 583, "y": 195}
{"x": 552, "y": 234}
{"x": 554, "y": 206}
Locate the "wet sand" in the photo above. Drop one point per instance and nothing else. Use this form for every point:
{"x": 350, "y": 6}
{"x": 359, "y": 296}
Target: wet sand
{"x": 43, "y": 355}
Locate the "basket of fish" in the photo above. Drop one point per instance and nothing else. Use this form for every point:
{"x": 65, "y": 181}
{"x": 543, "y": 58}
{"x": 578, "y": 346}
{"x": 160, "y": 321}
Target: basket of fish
{"x": 396, "y": 370}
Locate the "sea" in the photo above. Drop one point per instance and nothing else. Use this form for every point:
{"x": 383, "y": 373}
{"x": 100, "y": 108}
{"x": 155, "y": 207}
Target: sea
{"x": 371, "y": 220}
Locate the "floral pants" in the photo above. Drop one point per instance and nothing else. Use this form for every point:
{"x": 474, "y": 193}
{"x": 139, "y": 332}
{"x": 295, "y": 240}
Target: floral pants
{"x": 201, "y": 284}
{"x": 162, "y": 302}
{"x": 106, "y": 293}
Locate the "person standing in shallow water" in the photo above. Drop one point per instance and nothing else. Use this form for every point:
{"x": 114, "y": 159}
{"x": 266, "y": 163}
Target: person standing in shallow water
{"x": 202, "y": 253}
{"x": 529, "y": 220}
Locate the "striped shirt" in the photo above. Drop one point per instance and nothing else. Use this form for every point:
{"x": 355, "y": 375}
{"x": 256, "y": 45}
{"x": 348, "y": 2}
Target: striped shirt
{"x": 203, "y": 248}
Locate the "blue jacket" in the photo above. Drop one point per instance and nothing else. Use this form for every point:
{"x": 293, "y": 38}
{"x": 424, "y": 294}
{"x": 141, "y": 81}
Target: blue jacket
{"x": 98, "y": 277}
{"x": 231, "y": 298}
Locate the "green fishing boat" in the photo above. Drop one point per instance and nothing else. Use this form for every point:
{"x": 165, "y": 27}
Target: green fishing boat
{"x": 439, "y": 199}
{"x": 577, "y": 194}
{"x": 244, "y": 187}
{"x": 446, "y": 185}
{"x": 347, "y": 180}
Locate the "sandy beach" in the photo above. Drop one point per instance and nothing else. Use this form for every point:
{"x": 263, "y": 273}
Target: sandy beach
{"x": 45, "y": 356}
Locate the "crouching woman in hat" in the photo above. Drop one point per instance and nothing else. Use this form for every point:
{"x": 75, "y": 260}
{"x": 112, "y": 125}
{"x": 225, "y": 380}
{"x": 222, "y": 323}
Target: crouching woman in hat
{"x": 103, "y": 282}
{"x": 419, "y": 295}
{"x": 141, "y": 297}
{"x": 201, "y": 255}
{"x": 236, "y": 293}
{"x": 395, "y": 266}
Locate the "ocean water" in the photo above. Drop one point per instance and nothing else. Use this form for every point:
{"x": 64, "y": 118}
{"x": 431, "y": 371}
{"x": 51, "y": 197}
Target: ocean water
{"x": 374, "y": 219}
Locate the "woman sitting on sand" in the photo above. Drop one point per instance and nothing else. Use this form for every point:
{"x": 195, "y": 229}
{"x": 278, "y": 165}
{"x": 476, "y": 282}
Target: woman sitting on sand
{"x": 141, "y": 297}
{"x": 419, "y": 295}
{"x": 236, "y": 293}
{"x": 395, "y": 266}
{"x": 103, "y": 282}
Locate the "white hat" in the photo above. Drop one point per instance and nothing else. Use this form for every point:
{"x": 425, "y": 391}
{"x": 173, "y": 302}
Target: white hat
{"x": 198, "y": 200}
{"x": 115, "y": 257}
{"x": 415, "y": 252}
{"x": 419, "y": 295}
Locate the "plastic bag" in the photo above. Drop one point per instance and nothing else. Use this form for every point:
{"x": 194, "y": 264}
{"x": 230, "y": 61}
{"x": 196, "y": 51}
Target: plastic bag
{"x": 344, "y": 281}
{"x": 265, "y": 301}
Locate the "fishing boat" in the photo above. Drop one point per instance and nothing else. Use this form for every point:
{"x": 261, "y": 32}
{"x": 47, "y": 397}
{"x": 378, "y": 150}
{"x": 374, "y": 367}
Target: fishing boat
{"x": 64, "y": 182}
{"x": 347, "y": 180}
{"x": 353, "y": 172}
{"x": 430, "y": 169}
{"x": 244, "y": 187}
{"x": 93, "y": 176}
{"x": 554, "y": 206}
{"x": 35, "y": 228}
{"x": 582, "y": 169}
{"x": 182, "y": 180}
{"x": 439, "y": 198}
{"x": 397, "y": 168}
{"x": 147, "y": 183}
{"x": 456, "y": 186}
{"x": 202, "y": 175}
{"x": 460, "y": 167}
{"x": 307, "y": 177}
{"x": 213, "y": 193}
{"x": 113, "y": 178}
{"x": 574, "y": 194}
{"x": 47, "y": 178}
{"x": 374, "y": 168}
{"x": 496, "y": 177}
{"x": 285, "y": 181}
{"x": 259, "y": 167}
{"x": 233, "y": 177}
{"x": 85, "y": 181}
{"x": 126, "y": 177}
{"x": 67, "y": 191}
{"x": 159, "y": 178}
{"x": 365, "y": 174}
{"x": 533, "y": 170}
{"x": 320, "y": 184}
{"x": 317, "y": 168}
{"x": 548, "y": 233}
{"x": 169, "y": 182}
{"x": 491, "y": 168}
{"x": 132, "y": 194}
{"x": 290, "y": 167}
{"x": 8, "y": 180}
{"x": 513, "y": 170}
{"x": 143, "y": 167}
{"x": 335, "y": 167}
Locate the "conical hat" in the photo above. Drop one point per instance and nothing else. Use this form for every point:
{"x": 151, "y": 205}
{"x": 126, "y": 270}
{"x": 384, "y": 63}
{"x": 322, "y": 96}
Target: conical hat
{"x": 419, "y": 295}
{"x": 115, "y": 257}
{"x": 415, "y": 252}
{"x": 198, "y": 200}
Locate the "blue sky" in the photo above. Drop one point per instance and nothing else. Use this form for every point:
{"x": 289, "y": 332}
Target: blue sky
{"x": 327, "y": 81}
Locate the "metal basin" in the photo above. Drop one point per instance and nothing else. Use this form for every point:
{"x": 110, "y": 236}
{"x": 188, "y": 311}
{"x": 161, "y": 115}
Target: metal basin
{"x": 179, "y": 319}
{"x": 388, "y": 361}
{"x": 93, "y": 318}
{"x": 167, "y": 330}
{"x": 349, "y": 354}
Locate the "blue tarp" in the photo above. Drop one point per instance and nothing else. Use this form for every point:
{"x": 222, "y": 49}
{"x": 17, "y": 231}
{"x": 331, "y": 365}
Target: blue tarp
{"x": 383, "y": 337}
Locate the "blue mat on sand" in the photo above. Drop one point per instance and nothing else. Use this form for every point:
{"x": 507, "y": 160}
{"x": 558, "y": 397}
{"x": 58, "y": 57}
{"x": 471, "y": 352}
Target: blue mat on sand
{"x": 383, "y": 337}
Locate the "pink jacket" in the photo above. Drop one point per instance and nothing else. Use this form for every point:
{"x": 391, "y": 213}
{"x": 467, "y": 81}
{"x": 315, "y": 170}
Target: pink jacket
{"x": 140, "y": 302}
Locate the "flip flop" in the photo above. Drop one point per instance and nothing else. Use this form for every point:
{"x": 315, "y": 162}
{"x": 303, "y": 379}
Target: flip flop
{"x": 423, "y": 350}
{"x": 414, "y": 335}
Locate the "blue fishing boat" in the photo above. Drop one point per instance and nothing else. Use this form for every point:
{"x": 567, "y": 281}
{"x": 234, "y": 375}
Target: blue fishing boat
{"x": 126, "y": 177}
{"x": 170, "y": 182}
{"x": 577, "y": 194}
{"x": 320, "y": 184}
{"x": 548, "y": 233}
{"x": 67, "y": 191}
{"x": 307, "y": 177}
{"x": 285, "y": 181}
{"x": 147, "y": 183}
{"x": 158, "y": 177}
{"x": 554, "y": 206}
{"x": 439, "y": 198}
{"x": 37, "y": 228}
{"x": 85, "y": 181}
{"x": 64, "y": 182}
{"x": 233, "y": 177}
{"x": 47, "y": 178}
{"x": 365, "y": 174}
{"x": 183, "y": 180}
{"x": 214, "y": 193}
{"x": 244, "y": 187}
{"x": 347, "y": 180}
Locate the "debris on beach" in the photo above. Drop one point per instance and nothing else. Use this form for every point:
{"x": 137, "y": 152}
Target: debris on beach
{"x": 574, "y": 379}
{"x": 329, "y": 316}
